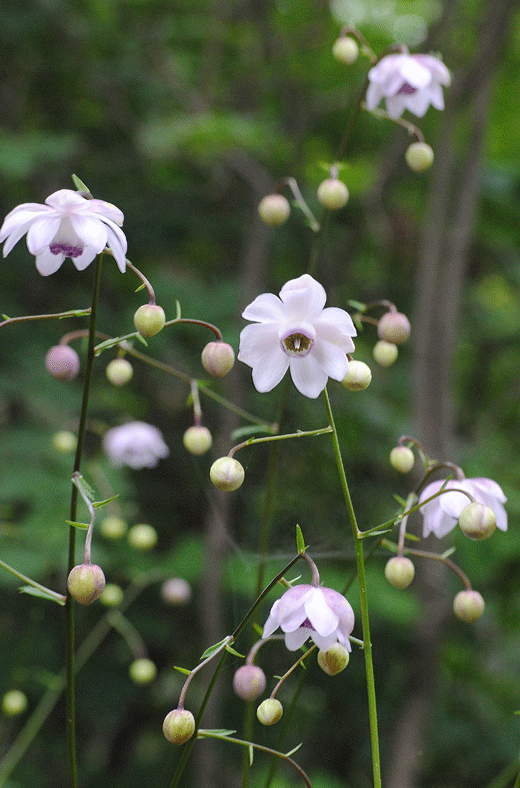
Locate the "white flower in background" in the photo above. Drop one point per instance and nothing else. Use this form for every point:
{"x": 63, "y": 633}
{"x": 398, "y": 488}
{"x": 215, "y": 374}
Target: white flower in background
{"x": 308, "y": 611}
{"x": 441, "y": 514}
{"x": 136, "y": 444}
{"x": 68, "y": 225}
{"x": 410, "y": 82}
{"x": 295, "y": 332}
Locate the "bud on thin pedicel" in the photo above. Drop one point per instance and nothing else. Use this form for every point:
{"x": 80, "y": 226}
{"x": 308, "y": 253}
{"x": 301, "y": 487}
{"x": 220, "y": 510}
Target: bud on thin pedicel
{"x": 274, "y": 209}
{"x": 249, "y": 682}
{"x": 394, "y": 327}
{"x": 86, "y": 583}
{"x": 119, "y": 371}
{"x": 399, "y": 571}
{"x": 334, "y": 660}
{"x": 62, "y": 362}
{"x": 149, "y": 320}
{"x": 419, "y": 156}
{"x": 179, "y": 726}
{"x": 227, "y": 474}
{"x": 402, "y": 459}
{"x": 478, "y": 521}
{"x": 333, "y": 194}
{"x": 358, "y": 377}
{"x": 385, "y": 353}
{"x": 468, "y": 605}
{"x": 269, "y": 711}
{"x": 346, "y": 50}
{"x": 197, "y": 440}
{"x": 218, "y": 358}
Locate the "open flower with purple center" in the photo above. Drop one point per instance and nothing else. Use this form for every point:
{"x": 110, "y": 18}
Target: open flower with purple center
{"x": 68, "y": 225}
{"x": 441, "y": 514}
{"x": 136, "y": 444}
{"x": 406, "y": 81}
{"x": 295, "y": 332}
{"x": 310, "y": 611}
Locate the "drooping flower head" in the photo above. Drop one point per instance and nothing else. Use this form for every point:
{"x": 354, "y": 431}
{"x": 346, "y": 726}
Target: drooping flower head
{"x": 295, "y": 332}
{"x": 406, "y": 81}
{"x": 441, "y": 514}
{"x": 136, "y": 444}
{"x": 309, "y": 611}
{"x": 68, "y": 225}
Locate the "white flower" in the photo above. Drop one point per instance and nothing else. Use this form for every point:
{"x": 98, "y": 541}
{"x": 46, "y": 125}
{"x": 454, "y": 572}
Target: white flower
{"x": 68, "y": 225}
{"x": 442, "y": 513}
{"x": 410, "y": 82}
{"x": 136, "y": 444}
{"x": 309, "y": 611}
{"x": 296, "y": 332}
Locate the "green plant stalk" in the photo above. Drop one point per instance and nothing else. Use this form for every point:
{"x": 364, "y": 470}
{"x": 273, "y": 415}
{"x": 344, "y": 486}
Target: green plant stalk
{"x": 69, "y": 605}
{"x": 59, "y": 598}
{"x": 365, "y": 621}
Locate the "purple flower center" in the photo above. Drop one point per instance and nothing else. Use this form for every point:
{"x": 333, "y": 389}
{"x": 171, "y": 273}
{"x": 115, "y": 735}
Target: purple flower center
{"x": 62, "y": 247}
{"x": 297, "y": 345}
{"x": 407, "y": 89}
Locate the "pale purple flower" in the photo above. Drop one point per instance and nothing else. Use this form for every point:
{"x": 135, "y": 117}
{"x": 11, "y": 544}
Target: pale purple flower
{"x": 295, "y": 332}
{"x": 441, "y": 514}
{"x": 406, "y": 81}
{"x": 308, "y": 611}
{"x": 68, "y": 225}
{"x": 136, "y": 444}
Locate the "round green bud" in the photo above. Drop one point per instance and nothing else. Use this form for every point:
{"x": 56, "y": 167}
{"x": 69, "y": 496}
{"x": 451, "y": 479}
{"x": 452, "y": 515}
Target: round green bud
{"x": 346, "y": 50}
{"x": 385, "y": 353}
{"x": 142, "y": 537}
{"x": 119, "y": 371}
{"x": 333, "y": 194}
{"x": 468, "y": 605}
{"x": 86, "y": 583}
{"x": 478, "y": 521}
{"x": 419, "y": 156}
{"x": 197, "y": 440}
{"x": 274, "y": 209}
{"x": 112, "y": 595}
{"x": 142, "y": 671}
{"x": 249, "y": 682}
{"x": 176, "y": 591}
{"x": 149, "y": 320}
{"x": 179, "y": 726}
{"x": 394, "y": 327}
{"x": 14, "y": 702}
{"x": 227, "y": 474}
{"x": 62, "y": 362}
{"x": 64, "y": 441}
{"x": 399, "y": 571}
{"x": 358, "y": 376}
{"x": 269, "y": 711}
{"x": 334, "y": 660}
{"x": 402, "y": 459}
{"x": 113, "y": 527}
{"x": 218, "y": 358}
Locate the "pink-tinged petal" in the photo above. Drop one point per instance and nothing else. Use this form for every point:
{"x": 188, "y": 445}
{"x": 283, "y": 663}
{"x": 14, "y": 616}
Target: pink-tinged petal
{"x": 488, "y": 487}
{"x": 266, "y": 308}
{"x": 501, "y": 516}
{"x": 91, "y": 230}
{"x": 14, "y": 237}
{"x": 322, "y": 618}
{"x": 65, "y": 200}
{"x": 84, "y": 259}
{"x": 269, "y": 369}
{"x": 428, "y": 491}
{"x": 41, "y": 232}
{"x": 291, "y": 610}
{"x": 308, "y": 376}
{"x": 116, "y": 241}
{"x": 454, "y": 502}
{"x": 331, "y": 359}
{"x": 436, "y": 67}
{"x": 337, "y": 321}
{"x": 48, "y": 263}
{"x": 23, "y": 216}
{"x": 295, "y": 640}
{"x": 272, "y": 623}
{"x": 396, "y": 105}
{"x": 303, "y": 298}
{"x": 255, "y": 340}
{"x": 324, "y": 642}
{"x": 341, "y": 607}
{"x": 436, "y": 96}
{"x": 414, "y": 73}
{"x": 105, "y": 210}
{"x": 373, "y": 96}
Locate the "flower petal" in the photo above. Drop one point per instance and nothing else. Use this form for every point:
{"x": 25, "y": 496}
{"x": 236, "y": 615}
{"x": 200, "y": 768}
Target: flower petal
{"x": 331, "y": 359}
{"x": 84, "y": 259}
{"x": 308, "y": 376}
{"x": 266, "y": 308}
{"x": 41, "y": 232}
{"x": 91, "y": 230}
{"x": 255, "y": 340}
{"x": 269, "y": 369}
{"x": 320, "y": 615}
{"x": 303, "y": 298}
{"x": 116, "y": 240}
{"x": 295, "y": 640}
{"x": 48, "y": 263}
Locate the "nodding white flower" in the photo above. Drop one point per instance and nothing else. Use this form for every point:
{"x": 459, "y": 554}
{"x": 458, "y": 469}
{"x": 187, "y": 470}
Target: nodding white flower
{"x": 136, "y": 444}
{"x": 406, "y": 81}
{"x": 295, "y": 332}
{"x": 68, "y": 225}
{"x": 441, "y": 514}
{"x": 308, "y": 611}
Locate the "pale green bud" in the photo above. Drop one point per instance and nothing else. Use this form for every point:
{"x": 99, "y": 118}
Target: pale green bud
{"x": 399, "y": 571}
{"x": 197, "y": 440}
{"x": 402, "y": 459}
{"x": 419, "y": 156}
{"x": 346, "y": 50}
{"x": 333, "y": 194}
{"x": 149, "y": 320}
{"x": 179, "y": 726}
{"x": 142, "y": 537}
{"x": 468, "y": 605}
{"x": 269, "y": 711}
{"x": 358, "y": 376}
{"x": 227, "y": 474}
{"x": 142, "y": 671}
{"x": 385, "y": 353}
{"x": 274, "y": 209}
{"x": 14, "y": 702}
{"x": 119, "y": 371}
{"x": 478, "y": 521}
{"x": 334, "y": 660}
{"x": 113, "y": 527}
{"x": 86, "y": 583}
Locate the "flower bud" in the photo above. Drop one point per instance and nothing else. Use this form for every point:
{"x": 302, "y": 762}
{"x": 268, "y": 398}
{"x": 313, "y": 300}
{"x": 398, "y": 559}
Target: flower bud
{"x": 227, "y": 474}
{"x": 64, "y": 441}
{"x": 197, "y": 440}
{"x": 333, "y": 194}
{"x": 176, "y": 591}
{"x": 358, "y": 376}
{"x": 274, "y": 209}
{"x": 345, "y": 50}
{"x": 334, "y": 660}
{"x": 112, "y": 595}
{"x": 394, "y": 327}
{"x": 249, "y": 682}
{"x": 179, "y": 726}
{"x": 14, "y": 702}
{"x": 62, "y": 362}
{"x": 269, "y": 711}
{"x": 468, "y": 605}
{"x": 149, "y": 320}
{"x": 402, "y": 459}
{"x": 86, "y": 583}
{"x": 385, "y": 353}
{"x": 218, "y": 358}
{"x": 113, "y": 527}
{"x": 399, "y": 571}
{"x": 119, "y": 371}
{"x": 419, "y": 156}
{"x": 142, "y": 671}
{"x": 142, "y": 537}
{"x": 478, "y": 521}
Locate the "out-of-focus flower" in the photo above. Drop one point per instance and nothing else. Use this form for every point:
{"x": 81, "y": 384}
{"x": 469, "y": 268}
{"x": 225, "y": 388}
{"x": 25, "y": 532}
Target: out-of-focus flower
{"x": 295, "y": 332}
{"x": 68, "y": 225}
{"x": 406, "y": 81}
{"x": 308, "y": 611}
{"x": 136, "y": 444}
{"x": 441, "y": 514}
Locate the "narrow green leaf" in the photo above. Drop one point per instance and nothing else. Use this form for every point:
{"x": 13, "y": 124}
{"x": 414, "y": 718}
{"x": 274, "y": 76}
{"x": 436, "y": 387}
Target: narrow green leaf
{"x": 251, "y": 754}
{"x": 99, "y": 504}
{"x": 216, "y": 648}
{"x": 182, "y": 670}
{"x": 80, "y": 186}
{"x": 42, "y": 594}
{"x": 85, "y": 526}
{"x": 300, "y": 541}
{"x": 295, "y": 749}
{"x": 235, "y": 653}
{"x": 250, "y": 430}
{"x": 218, "y": 732}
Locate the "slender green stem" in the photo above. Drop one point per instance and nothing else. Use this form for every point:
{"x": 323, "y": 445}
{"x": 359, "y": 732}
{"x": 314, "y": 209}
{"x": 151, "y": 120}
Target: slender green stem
{"x": 59, "y": 315}
{"x": 365, "y": 621}
{"x": 59, "y": 598}
{"x": 299, "y": 434}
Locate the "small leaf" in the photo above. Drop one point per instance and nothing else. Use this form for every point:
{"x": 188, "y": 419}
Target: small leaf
{"x": 251, "y": 754}
{"x": 99, "y": 504}
{"x": 250, "y": 430}
{"x": 85, "y": 486}
{"x": 222, "y": 732}
{"x": 177, "y": 310}
{"x": 357, "y": 305}
{"x": 141, "y": 287}
{"x": 182, "y": 670}
{"x": 300, "y": 541}
{"x": 295, "y": 749}
{"x": 85, "y": 526}
{"x": 216, "y": 648}
{"x": 40, "y": 592}
{"x": 80, "y": 186}
{"x": 374, "y": 532}
{"x": 6, "y": 317}
{"x": 235, "y": 653}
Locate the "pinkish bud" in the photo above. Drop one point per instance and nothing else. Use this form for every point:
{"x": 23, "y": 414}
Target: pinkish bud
{"x": 218, "y": 358}
{"x": 176, "y": 591}
{"x": 274, "y": 209}
{"x": 179, "y": 726}
{"x": 86, "y": 583}
{"x": 62, "y": 362}
{"x": 249, "y": 682}
{"x": 468, "y": 605}
{"x": 394, "y": 327}
{"x": 149, "y": 320}
{"x": 269, "y": 711}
